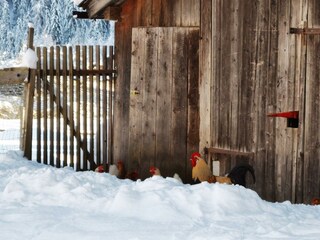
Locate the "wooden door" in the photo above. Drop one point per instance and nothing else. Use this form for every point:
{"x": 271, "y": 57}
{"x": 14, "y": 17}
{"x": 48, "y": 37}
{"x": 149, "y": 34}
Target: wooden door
{"x": 164, "y": 100}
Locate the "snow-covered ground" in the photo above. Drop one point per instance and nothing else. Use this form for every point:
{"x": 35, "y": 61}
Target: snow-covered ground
{"x": 42, "y": 202}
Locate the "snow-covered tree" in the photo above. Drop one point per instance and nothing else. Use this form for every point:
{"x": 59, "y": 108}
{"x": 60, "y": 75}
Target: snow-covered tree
{"x": 4, "y": 23}
{"x": 53, "y": 23}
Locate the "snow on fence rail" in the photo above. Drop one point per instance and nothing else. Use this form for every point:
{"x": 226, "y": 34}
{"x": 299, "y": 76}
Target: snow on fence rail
{"x": 70, "y": 98}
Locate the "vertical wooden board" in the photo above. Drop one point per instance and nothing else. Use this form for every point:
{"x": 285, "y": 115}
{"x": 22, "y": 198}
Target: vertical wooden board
{"x": 39, "y": 103}
{"x": 58, "y": 102}
{"x": 91, "y": 104}
{"x": 311, "y": 142}
{"x": 164, "y": 88}
{"x": 285, "y": 88}
{"x": 300, "y": 46}
{"x": 65, "y": 105}
{"x": 225, "y": 79}
{"x": 136, "y": 96}
{"x": 156, "y": 12}
{"x": 84, "y": 109}
{"x": 137, "y": 12}
{"x": 105, "y": 109}
{"x": 45, "y": 105}
{"x": 235, "y": 71}
{"x": 215, "y": 73}
{"x": 167, "y": 13}
{"x": 98, "y": 106}
{"x": 111, "y": 97}
{"x": 149, "y": 90}
{"x": 193, "y": 98}
{"x": 269, "y": 170}
{"x": 312, "y": 109}
{"x": 122, "y": 88}
{"x": 248, "y": 38}
{"x": 71, "y": 108}
{"x": 79, "y": 160}
{"x": 146, "y": 13}
{"x": 179, "y": 96}
{"x": 190, "y": 13}
{"x": 52, "y": 132}
{"x": 295, "y": 61}
{"x": 259, "y": 76}
{"x": 205, "y": 77}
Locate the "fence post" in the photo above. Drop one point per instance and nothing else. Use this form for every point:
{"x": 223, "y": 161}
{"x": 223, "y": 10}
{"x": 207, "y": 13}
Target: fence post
{"x": 28, "y": 105}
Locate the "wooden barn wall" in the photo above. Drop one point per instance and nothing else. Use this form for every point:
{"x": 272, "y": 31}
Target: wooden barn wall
{"x": 142, "y": 13}
{"x": 251, "y": 66}
{"x": 311, "y": 180}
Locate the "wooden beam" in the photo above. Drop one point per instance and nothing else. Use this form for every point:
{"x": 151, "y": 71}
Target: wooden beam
{"x": 96, "y": 8}
{"x": 305, "y": 31}
{"x": 80, "y": 15}
{"x": 13, "y": 75}
{"x": 213, "y": 150}
{"x": 85, "y": 72}
{"x": 112, "y": 13}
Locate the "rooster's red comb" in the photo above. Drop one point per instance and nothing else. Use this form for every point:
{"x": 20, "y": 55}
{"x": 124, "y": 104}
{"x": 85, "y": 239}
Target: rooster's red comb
{"x": 195, "y": 154}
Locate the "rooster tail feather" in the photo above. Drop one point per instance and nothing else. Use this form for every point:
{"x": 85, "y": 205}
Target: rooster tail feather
{"x": 238, "y": 174}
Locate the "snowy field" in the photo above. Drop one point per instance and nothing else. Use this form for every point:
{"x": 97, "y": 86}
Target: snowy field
{"x": 42, "y": 203}
{"x": 9, "y": 134}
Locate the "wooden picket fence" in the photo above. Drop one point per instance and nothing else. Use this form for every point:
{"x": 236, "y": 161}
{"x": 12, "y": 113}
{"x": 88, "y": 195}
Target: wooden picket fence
{"x": 69, "y": 105}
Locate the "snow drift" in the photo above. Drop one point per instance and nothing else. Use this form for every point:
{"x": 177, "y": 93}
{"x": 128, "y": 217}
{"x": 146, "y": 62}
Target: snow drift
{"x": 42, "y": 202}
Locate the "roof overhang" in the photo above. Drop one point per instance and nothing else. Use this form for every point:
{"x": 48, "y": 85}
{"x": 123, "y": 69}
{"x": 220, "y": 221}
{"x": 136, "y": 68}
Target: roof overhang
{"x": 102, "y": 9}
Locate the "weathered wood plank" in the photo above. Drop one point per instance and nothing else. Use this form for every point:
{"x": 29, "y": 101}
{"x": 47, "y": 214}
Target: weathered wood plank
{"x": 164, "y": 104}
{"x": 149, "y": 101}
{"x": 28, "y": 116}
{"x": 145, "y": 14}
{"x": 270, "y": 157}
{"x": 312, "y": 109}
{"x": 91, "y": 105}
{"x": 51, "y": 104}
{"x": 65, "y": 105}
{"x": 136, "y": 97}
{"x": 179, "y": 97}
{"x": 192, "y": 137}
{"x": 112, "y": 13}
{"x": 205, "y": 52}
{"x": 71, "y": 108}
{"x": 95, "y": 7}
{"x": 38, "y": 109}
{"x": 13, "y": 75}
{"x": 98, "y": 107}
{"x": 105, "y": 109}
{"x": 214, "y": 150}
{"x": 285, "y": 101}
{"x": 84, "y": 119}
{"x": 111, "y": 97}
{"x": 45, "y": 104}
{"x": 122, "y": 98}
{"x": 190, "y": 13}
{"x": 78, "y": 110}
{"x": 58, "y": 102}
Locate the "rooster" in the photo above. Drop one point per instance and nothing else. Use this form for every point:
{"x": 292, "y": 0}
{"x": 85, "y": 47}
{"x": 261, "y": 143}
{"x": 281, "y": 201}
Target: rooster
{"x": 315, "y": 201}
{"x": 117, "y": 170}
{"x": 201, "y": 172}
{"x": 154, "y": 171}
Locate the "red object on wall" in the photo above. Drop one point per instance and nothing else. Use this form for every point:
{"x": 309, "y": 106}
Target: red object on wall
{"x": 292, "y": 118}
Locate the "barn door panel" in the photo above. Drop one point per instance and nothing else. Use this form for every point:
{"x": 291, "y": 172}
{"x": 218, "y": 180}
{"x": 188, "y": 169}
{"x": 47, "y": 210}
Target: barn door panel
{"x": 311, "y": 120}
{"x": 163, "y": 119}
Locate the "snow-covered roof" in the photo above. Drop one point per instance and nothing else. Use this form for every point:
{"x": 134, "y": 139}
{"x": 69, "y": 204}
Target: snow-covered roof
{"x": 95, "y": 8}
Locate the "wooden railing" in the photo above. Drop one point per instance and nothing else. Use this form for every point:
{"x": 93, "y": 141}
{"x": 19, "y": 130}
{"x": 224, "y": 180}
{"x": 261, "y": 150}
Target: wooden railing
{"x": 70, "y": 97}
